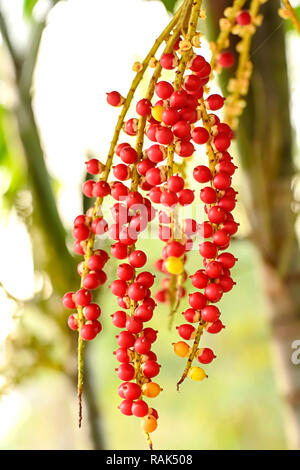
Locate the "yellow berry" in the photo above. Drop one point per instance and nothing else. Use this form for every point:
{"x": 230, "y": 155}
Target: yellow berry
{"x": 157, "y": 113}
{"x": 181, "y": 349}
{"x": 151, "y": 389}
{"x": 174, "y": 265}
{"x": 148, "y": 423}
{"x": 197, "y": 374}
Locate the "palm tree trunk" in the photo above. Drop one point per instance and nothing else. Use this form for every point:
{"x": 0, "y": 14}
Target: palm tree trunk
{"x": 265, "y": 151}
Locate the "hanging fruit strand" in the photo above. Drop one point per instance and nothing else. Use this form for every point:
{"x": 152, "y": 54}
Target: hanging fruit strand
{"x": 83, "y": 225}
{"x": 247, "y": 22}
{"x": 140, "y": 378}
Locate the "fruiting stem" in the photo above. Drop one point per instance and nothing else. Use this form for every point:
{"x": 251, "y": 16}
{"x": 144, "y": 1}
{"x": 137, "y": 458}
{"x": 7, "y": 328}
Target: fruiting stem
{"x": 239, "y": 85}
{"x": 225, "y": 30}
{"x": 292, "y": 14}
{"x": 192, "y": 354}
{"x": 98, "y": 202}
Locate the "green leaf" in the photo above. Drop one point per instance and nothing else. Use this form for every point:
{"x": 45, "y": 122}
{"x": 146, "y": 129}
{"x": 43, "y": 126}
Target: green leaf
{"x": 28, "y": 6}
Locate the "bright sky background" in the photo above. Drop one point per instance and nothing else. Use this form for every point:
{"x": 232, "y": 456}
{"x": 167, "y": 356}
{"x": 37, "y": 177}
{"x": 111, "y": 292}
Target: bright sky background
{"x": 88, "y": 48}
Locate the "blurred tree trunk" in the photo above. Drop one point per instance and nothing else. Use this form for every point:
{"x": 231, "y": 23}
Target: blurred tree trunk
{"x": 265, "y": 150}
{"x": 53, "y": 256}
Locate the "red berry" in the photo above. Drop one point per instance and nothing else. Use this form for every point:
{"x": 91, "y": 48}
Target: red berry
{"x": 134, "y": 325}
{"x": 216, "y": 215}
{"x": 199, "y": 279}
{"x": 73, "y": 323}
{"x": 83, "y": 297}
{"x": 170, "y": 116}
{"x": 226, "y": 283}
{"x": 208, "y": 195}
{"x": 215, "y": 102}
{"x": 128, "y": 155}
{"x": 156, "y": 153}
{"x": 227, "y": 203}
{"x": 143, "y": 107}
{"x": 168, "y": 61}
{"x": 130, "y": 127}
{"x": 189, "y": 114}
{"x": 221, "y": 238}
{"x": 215, "y": 327}
{"x": 186, "y": 331}
{"x": 137, "y": 259}
{"x": 88, "y": 332}
{"x": 144, "y": 312}
{"x": 119, "y": 319}
{"x": 175, "y": 183}
{"x": 101, "y": 189}
{"x": 81, "y": 232}
{"x": 164, "y": 136}
{"x": 186, "y": 197}
{"x": 184, "y": 148}
{"x": 125, "y": 372}
{"x": 154, "y": 177}
{"x": 205, "y": 355}
{"x": 95, "y": 263}
{"x": 221, "y": 142}
{"x": 119, "y": 250}
{"x": 121, "y": 172}
{"x": 178, "y": 99}
{"x": 125, "y": 407}
{"x": 150, "y": 369}
{"x": 136, "y": 291}
{"x": 91, "y": 281}
{"x": 210, "y": 313}
{"x": 146, "y": 278}
{"x": 92, "y": 312}
{"x": 168, "y": 198}
{"x": 182, "y": 129}
{"x": 197, "y": 300}
{"x": 202, "y": 174}
{"x": 68, "y": 301}
{"x": 125, "y": 339}
{"x": 150, "y": 334}
{"x": 200, "y": 135}
{"x": 155, "y": 195}
{"x": 140, "y": 408}
{"x": 192, "y": 83}
{"x": 114, "y": 98}
{"x": 118, "y": 190}
{"x": 164, "y": 90}
{"x": 120, "y": 147}
{"x": 227, "y": 259}
{"x": 125, "y": 272}
{"x": 243, "y": 18}
{"x": 144, "y": 166}
{"x": 131, "y": 390}
{"x": 142, "y": 345}
{"x": 174, "y": 248}
{"x": 118, "y": 287}
{"x": 197, "y": 63}
{"x": 206, "y": 230}
{"x": 213, "y": 292}
{"x": 208, "y": 250}
{"x": 226, "y": 59}
{"x": 191, "y": 315}
{"x": 93, "y": 166}
{"x": 214, "y": 269}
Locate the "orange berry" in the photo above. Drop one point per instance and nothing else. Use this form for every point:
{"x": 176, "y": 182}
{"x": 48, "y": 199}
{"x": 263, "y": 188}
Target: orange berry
{"x": 148, "y": 423}
{"x": 181, "y": 348}
{"x": 151, "y": 389}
